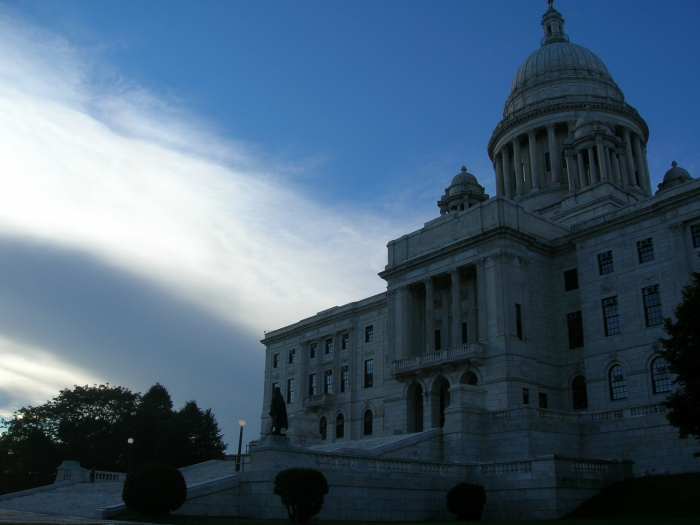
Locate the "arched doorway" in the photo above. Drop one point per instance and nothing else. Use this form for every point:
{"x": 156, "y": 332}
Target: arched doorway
{"x": 440, "y": 401}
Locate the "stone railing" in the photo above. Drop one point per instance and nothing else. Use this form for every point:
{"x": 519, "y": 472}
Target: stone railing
{"x": 551, "y": 414}
{"x": 589, "y": 466}
{"x": 318, "y": 401}
{"x": 502, "y": 414}
{"x": 638, "y": 411}
{"x": 472, "y": 352}
{"x": 549, "y": 209}
{"x": 382, "y": 465}
{"x": 509, "y": 467}
{"x": 72, "y": 471}
{"x": 647, "y": 410}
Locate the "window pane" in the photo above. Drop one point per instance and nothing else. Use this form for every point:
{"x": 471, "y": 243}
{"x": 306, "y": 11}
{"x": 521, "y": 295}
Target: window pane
{"x": 652, "y": 305}
{"x": 645, "y": 250}
{"x": 369, "y": 373}
{"x": 571, "y": 280}
{"x": 611, "y": 315}
{"x": 605, "y": 263}
{"x": 618, "y": 383}
{"x": 660, "y": 376}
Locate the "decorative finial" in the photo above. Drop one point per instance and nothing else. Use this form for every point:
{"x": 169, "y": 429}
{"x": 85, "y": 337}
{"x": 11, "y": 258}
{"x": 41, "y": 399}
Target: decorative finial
{"x": 550, "y": 2}
{"x": 464, "y": 169}
{"x": 674, "y": 164}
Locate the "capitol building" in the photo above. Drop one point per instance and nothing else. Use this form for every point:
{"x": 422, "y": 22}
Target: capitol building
{"x": 516, "y": 344}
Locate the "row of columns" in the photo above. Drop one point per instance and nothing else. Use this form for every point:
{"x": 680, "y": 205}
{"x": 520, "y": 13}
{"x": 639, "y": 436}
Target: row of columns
{"x": 604, "y": 161}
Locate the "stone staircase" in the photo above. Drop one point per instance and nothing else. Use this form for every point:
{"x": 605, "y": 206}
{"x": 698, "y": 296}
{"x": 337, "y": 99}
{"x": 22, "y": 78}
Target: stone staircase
{"x": 100, "y": 500}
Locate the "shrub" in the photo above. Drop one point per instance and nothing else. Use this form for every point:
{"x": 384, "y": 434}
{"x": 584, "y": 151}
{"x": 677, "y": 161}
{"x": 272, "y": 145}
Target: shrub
{"x": 301, "y": 491}
{"x": 154, "y": 488}
{"x": 466, "y": 501}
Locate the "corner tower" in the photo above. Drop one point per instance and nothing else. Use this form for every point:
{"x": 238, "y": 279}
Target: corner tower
{"x": 568, "y": 145}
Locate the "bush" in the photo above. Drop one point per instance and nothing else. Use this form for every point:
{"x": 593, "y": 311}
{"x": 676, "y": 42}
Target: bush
{"x": 301, "y": 491}
{"x": 154, "y": 488}
{"x": 466, "y": 501}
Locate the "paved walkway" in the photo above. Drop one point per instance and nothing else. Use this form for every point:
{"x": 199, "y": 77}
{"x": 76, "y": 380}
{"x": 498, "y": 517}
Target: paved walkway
{"x": 16, "y": 516}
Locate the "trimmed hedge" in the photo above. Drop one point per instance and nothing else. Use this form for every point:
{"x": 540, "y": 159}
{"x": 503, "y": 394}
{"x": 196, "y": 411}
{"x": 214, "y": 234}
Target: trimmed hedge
{"x": 154, "y": 488}
{"x": 466, "y": 501}
{"x": 301, "y": 491}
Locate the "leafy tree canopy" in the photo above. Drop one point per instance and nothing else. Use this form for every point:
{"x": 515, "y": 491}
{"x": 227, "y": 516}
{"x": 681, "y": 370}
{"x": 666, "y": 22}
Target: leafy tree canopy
{"x": 682, "y": 353}
{"x": 91, "y": 424}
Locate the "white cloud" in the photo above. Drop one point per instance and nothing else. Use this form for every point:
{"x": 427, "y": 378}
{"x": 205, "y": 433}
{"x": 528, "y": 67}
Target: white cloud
{"x": 111, "y": 170}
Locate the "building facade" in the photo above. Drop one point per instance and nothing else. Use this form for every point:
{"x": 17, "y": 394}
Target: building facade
{"x": 524, "y": 324}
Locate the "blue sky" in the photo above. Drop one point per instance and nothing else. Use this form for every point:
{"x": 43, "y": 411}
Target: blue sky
{"x": 178, "y": 177}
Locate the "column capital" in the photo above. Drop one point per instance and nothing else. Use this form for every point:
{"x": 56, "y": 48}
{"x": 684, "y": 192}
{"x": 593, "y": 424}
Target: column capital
{"x": 549, "y": 127}
{"x": 531, "y": 134}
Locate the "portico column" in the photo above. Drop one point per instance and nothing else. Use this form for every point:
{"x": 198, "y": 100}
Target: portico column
{"x": 481, "y": 299}
{"x": 534, "y": 165}
{"x": 498, "y": 167}
{"x": 429, "y": 316}
{"x": 581, "y": 170}
{"x": 507, "y": 172}
{"x": 554, "y": 157}
{"x": 628, "y": 157}
{"x": 591, "y": 166}
{"x": 624, "y": 176}
{"x": 518, "y": 167}
{"x": 456, "y": 308}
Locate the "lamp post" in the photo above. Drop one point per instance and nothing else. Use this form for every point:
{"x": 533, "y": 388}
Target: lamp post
{"x": 129, "y": 445}
{"x": 241, "y": 423}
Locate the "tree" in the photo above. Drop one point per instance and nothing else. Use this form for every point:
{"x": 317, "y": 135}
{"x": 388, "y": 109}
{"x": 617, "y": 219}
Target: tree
{"x": 466, "y": 501}
{"x": 682, "y": 353}
{"x": 301, "y": 491}
{"x": 91, "y": 424}
{"x": 154, "y": 488}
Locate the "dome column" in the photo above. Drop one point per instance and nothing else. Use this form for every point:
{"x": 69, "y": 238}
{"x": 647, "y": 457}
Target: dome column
{"x": 622, "y": 159}
{"x": 518, "y": 167}
{"x": 554, "y": 157}
{"x": 507, "y": 172}
{"x": 646, "y": 169}
{"x": 615, "y": 167}
{"x": 602, "y": 164}
{"x": 593, "y": 173}
{"x": 570, "y": 168}
{"x": 498, "y": 168}
{"x": 534, "y": 165}
{"x": 629, "y": 157}
{"x": 581, "y": 170}
{"x": 639, "y": 163}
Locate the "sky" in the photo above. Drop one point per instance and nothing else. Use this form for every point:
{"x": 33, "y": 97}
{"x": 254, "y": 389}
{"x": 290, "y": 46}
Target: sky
{"x": 178, "y": 177}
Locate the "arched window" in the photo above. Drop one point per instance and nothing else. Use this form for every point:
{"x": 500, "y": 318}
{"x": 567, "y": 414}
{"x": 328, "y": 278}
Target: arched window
{"x": 618, "y": 383}
{"x": 660, "y": 376}
{"x": 323, "y": 427}
{"x": 469, "y": 378}
{"x": 367, "y": 423}
{"x": 340, "y": 426}
{"x": 578, "y": 390}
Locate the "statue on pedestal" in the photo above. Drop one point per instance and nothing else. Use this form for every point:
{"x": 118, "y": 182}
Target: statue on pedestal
{"x": 278, "y": 413}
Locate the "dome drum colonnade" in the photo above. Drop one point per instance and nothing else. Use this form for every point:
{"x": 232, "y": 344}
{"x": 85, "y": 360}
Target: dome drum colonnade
{"x": 550, "y": 138}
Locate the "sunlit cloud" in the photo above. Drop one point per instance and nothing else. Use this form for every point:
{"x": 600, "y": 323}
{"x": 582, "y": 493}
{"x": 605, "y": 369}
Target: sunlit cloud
{"x": 31, "y": 375}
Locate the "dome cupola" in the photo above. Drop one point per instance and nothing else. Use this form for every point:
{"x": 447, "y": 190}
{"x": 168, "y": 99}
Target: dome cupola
{"x": 674, "y": 177}
{"x": 463, "y": 192}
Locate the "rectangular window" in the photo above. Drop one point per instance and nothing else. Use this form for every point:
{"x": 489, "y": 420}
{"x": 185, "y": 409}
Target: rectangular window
{"x": 519, "y": 321}
{"x": 345, "y": 341}
{"x": 547, "y": 161}
{"x": 574, "y": 322}
{"x": 571, "y": 280}
{"x": 344, "y": 379}
{"x": 312, "y": 385}
{"x": 543, "y": 400}
{"x": 369, "y": 373}
{"x": 290, "y": 390}
{"x": 329, "y": 346}
{"x": 526, "y": 396}
{"x": 313, "y": 350}
{"x": 645, "y": 250}
{"x": 465, "y": 333}
{"x": 438, "y": 339}
{"x": 652, "y": 305}
{"x": 369, "y": 334}
{"x": 292, "y": 356}
{"x": 611, "y": 316}
{"x": 605, "y": 263}
{"x": 695, "y": 233}
{"x": 328, "y": 382}
{"x": 275, "y": 361}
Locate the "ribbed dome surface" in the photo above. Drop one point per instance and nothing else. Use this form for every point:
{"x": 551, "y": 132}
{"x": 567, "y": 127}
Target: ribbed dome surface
{"x": 559, "y": 69}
